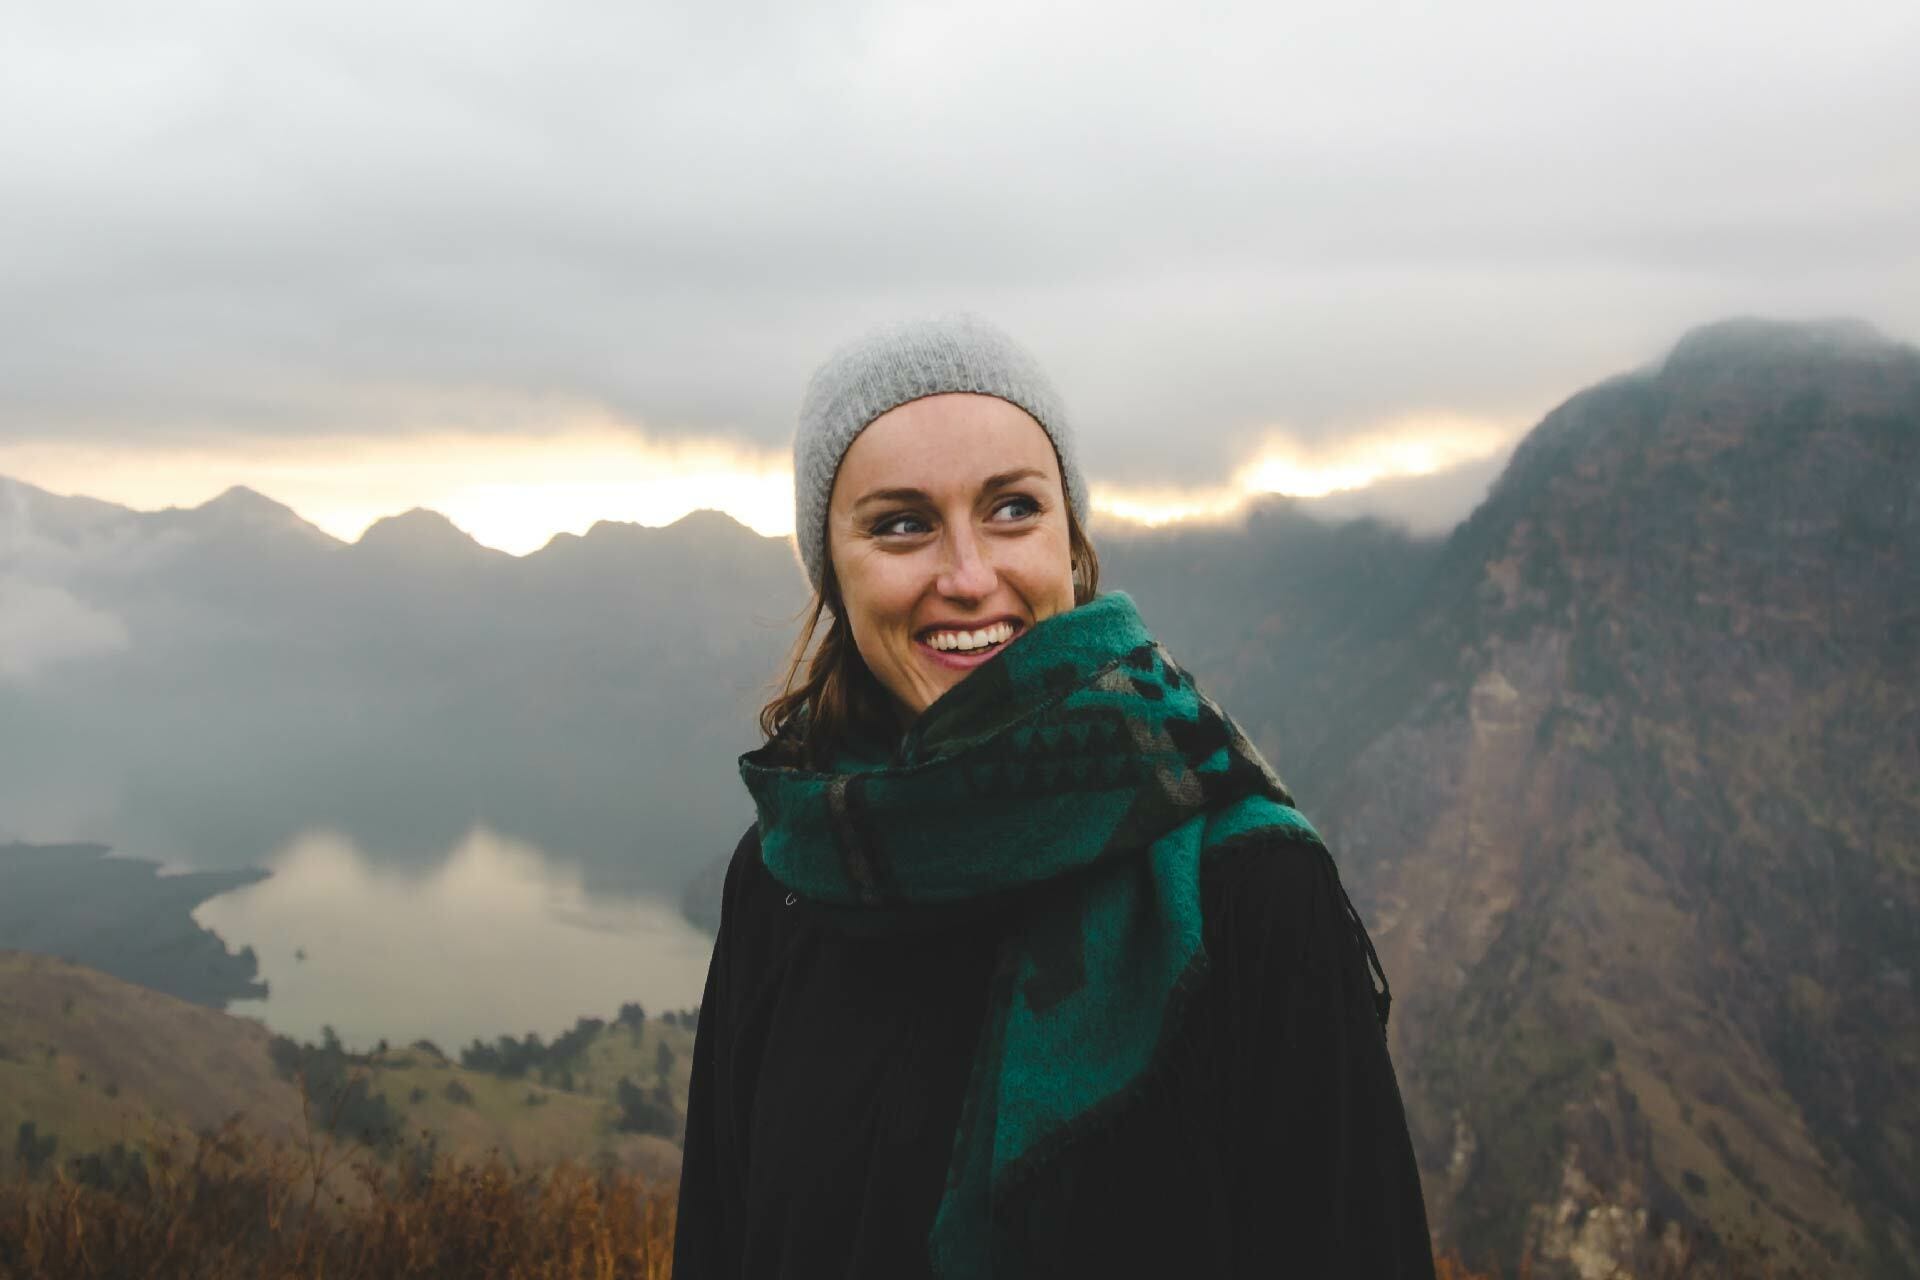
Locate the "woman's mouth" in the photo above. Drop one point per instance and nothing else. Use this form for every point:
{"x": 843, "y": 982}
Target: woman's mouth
{"x": 965, "y": 659}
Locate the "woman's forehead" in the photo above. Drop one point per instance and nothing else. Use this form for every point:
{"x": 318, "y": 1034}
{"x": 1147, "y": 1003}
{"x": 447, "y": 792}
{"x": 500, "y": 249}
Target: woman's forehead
{"x": 947, "y": 443}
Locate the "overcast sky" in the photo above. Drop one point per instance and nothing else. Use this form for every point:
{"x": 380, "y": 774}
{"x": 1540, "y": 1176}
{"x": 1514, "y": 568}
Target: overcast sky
{"x": 361, "y": 231}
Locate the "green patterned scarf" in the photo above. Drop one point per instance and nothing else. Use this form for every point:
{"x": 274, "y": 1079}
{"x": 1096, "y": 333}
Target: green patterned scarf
{"x": 1081, "y": 751}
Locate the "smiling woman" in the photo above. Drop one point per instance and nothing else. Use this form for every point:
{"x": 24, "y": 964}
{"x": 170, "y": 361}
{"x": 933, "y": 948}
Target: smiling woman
{"x": 938, "y": 574}
{"x": 944, "y": 512}
{"x": 1028, "y": 965}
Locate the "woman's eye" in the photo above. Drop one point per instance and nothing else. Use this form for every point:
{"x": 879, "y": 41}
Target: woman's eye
{"x": 889, "y": 525}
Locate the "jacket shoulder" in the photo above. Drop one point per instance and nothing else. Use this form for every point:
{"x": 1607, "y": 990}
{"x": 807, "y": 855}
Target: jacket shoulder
{"x": 1278, "y": 875}
{"x": 741, "y": 878}
{"x": 749, "y": 900}
{"x": 1275, "y": 901}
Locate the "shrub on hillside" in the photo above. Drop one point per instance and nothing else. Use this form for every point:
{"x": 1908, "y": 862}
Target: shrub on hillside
{"x": 504, "y": 1057}
{"x": 344, "y": 1100}
{"x": 645, "y": 1111}
{"x": 571, "y": 1043}
{"x": 515, "y": 1059}
{"x": 120, "y": 1169}
{"x": 32, "y": 1149}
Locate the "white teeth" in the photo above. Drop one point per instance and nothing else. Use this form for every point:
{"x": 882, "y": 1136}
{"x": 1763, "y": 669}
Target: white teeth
{"x": 965, "y": 640}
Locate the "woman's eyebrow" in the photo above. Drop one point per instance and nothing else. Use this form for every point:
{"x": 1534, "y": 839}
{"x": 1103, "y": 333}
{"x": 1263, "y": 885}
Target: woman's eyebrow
{"x": 999, "y": 480}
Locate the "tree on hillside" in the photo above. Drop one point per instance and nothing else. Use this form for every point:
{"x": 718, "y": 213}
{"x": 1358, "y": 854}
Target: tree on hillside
{"x": 644, "y": 1112}
{"x": 505, "y": 1056}
{"x": 514, "y": 1059}
{"x": 33, "y": 1151}
{"x": 119, "y": 1169}
{"x": 418, "y": 1160}
{"x": 345, "y": 1100}
{"x": 685, "y": 1019}
{"x": 480, "y": 1056}
{"x": 571, "y": 1044}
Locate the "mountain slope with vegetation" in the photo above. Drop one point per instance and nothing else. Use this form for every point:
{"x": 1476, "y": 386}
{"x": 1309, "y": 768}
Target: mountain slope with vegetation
{"x": 1646, "y": 868}
{"x": 88, "y": 1062}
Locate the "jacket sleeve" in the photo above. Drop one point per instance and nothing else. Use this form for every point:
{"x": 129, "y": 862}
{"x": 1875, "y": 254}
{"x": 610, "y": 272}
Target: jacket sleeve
{"x": 707, "y": 1229}
{"x": 1313, "y": 1125}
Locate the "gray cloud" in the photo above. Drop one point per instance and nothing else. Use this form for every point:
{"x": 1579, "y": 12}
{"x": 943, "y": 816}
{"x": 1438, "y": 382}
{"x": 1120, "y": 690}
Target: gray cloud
{"x": 41, "y": 624}
{"x": 353, "y": 216}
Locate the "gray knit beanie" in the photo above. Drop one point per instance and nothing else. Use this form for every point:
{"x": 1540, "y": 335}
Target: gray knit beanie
{"x": 895, "y": 363}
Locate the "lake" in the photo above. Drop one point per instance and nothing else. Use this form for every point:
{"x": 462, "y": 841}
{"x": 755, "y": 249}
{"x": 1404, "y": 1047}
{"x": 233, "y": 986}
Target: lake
{"x": 497, "y": 939}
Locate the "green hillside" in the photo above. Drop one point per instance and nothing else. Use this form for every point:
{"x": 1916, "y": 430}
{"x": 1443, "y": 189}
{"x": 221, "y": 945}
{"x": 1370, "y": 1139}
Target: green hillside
{"x": 89, "y": 1061}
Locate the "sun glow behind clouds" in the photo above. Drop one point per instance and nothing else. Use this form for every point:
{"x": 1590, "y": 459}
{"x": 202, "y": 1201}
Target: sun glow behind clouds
{"x": 515, "y": 492}
{"x": 1411, "y": 446}
{"x": 512, "y": 492}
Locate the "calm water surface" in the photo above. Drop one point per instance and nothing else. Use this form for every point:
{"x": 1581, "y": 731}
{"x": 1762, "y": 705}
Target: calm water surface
{"x": 497, "y": 940}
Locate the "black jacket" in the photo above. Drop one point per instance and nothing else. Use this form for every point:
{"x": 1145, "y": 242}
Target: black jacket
{"x": 829, "y": 1066}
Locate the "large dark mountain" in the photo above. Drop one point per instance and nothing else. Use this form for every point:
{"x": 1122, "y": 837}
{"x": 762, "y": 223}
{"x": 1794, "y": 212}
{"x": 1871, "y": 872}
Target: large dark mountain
{"x": 1624, "y": 772}
{"x": 1642, "y": 843}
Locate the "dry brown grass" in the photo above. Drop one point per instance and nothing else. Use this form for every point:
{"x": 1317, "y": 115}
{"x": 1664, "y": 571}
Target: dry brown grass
{"x": 234, "y": 1206}
{"x": 230, "y": 1204}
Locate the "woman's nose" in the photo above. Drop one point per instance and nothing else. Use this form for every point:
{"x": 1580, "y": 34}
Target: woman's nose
{"x": 968, "y": 571}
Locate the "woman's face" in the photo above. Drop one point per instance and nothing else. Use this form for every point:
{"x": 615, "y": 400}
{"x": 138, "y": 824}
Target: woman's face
{"x": 947, "y": 516}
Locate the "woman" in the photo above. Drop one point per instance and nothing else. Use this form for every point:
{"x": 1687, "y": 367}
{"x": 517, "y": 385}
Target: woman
{"x": 1029, "y": 966}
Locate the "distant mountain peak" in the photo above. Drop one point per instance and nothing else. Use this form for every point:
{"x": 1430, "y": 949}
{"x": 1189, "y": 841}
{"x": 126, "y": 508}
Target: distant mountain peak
{"x": 704, "y": 521}
{"x": 420, "y": 517}
{"x": 74, "y": 509}
{"x": 239, "y": 498}
{"x": 248, "y": 510}
{"x": 709, "y": 521}
{"x": 1746, "y": 338}
{"x": 417, "y": 529}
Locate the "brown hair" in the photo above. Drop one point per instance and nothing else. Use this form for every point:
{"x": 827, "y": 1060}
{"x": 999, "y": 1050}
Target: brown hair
{"x": 839, "y": 691}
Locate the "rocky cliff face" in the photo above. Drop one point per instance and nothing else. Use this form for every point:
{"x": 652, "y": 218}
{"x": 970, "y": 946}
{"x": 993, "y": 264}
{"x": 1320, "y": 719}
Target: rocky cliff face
{"x": 1644, "y": 865}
